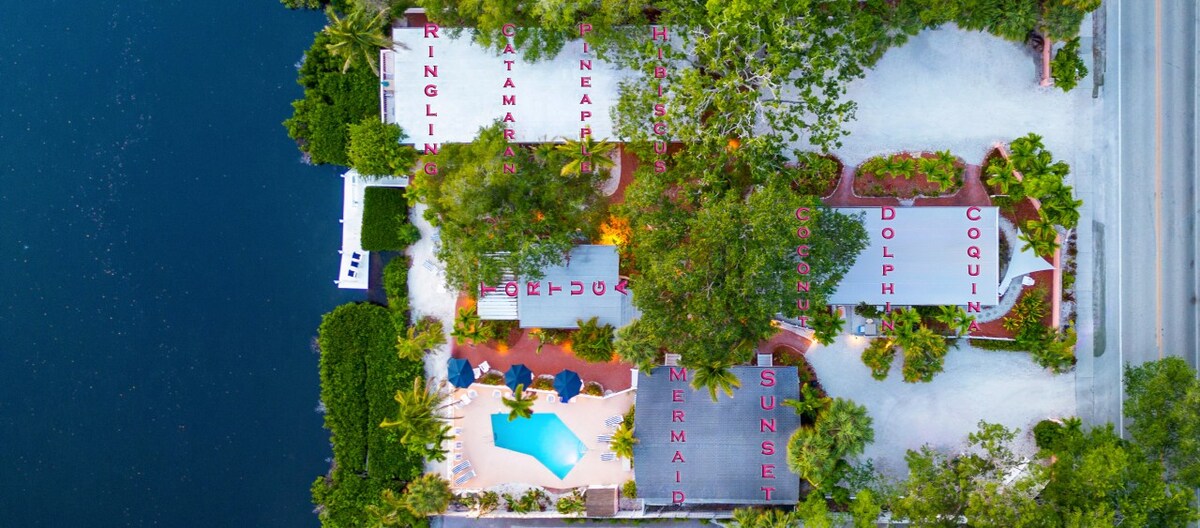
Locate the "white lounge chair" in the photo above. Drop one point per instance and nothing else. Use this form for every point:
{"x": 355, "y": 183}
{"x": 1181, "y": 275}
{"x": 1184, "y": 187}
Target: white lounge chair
{"x": 613, "y": 422}
{"x": 608, "y": 457}
{"x": 485, "y": 367}
{"x": 463, "y": 479}
{"x": 460, "y": 468}
{"x": 604, "y": 439}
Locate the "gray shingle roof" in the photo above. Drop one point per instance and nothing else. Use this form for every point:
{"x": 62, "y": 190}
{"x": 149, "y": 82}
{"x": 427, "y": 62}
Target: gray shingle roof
{"x": 723, "y": 460}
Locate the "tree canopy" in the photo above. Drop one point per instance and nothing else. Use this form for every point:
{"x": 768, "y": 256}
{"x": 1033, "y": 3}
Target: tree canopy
{"x": 495, "y": 221}
{"x": 716, "y": 254}
{"x": 1163, "y": 401}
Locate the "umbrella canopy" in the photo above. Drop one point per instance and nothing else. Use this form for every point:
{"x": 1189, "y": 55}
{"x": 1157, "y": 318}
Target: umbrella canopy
{"x": 459, "y": 373}
{"x": 567, "y": 383}
{"x": 518, "y": 375}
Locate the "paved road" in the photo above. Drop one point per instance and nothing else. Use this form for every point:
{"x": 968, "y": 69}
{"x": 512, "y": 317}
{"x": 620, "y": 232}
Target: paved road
{"x": 1151, "y": 209}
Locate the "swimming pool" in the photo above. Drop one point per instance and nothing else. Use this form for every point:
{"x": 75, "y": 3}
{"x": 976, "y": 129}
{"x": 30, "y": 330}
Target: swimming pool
{"x": 543, "y": 436}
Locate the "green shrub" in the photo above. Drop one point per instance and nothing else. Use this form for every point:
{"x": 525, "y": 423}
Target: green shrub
{"x": 571, "y": 504}
{"x": 629, "y": 489}
{"x": 593, "y": 342}
{"x": 878, "y": 356}
{"x": 1047, "y": 434}
{"x": 997, "y": 344}
{"x": 868, "y": 310}
{"x": 493, "y": 331}
{"x": 813, "y": 174}
{"x": 1068, "y": 67}
{"x": 395, "y": 285}
{"x": 375, "y": 149}
{"x": 346, "y": 337}
{"x": 332, "y": 101}
{"x": 1058, "y": 353}
{"x": 532, "y": 500}
{"x": 491, "y": 378}
{"x": 542, "y": 383}
{"x": 385, "y": 220}
{"x": 592, "y": 388}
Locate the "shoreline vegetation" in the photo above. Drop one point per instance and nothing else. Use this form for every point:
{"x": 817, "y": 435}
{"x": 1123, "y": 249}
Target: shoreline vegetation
{"x": 713, "y": 236}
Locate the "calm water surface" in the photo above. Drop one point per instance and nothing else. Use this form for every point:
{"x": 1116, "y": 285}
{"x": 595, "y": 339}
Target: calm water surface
{"x": 164, "y": 263}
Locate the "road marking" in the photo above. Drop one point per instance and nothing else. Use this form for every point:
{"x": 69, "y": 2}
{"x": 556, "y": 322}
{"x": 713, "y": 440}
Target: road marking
{"x": 1158, "y": 135}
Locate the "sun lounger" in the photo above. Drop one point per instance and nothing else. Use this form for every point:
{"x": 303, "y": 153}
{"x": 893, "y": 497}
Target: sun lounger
{"x": 461, "y": 467}
{"x": 604, "y": 439}
{"x": 485, "y": 367}
{"x": 613, "y": 421}
{"x": 463, "y": 479}
{"x": 608, "y": 457}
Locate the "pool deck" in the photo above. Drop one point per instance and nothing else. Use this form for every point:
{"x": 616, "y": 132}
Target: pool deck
{"x": 496, "y": 466}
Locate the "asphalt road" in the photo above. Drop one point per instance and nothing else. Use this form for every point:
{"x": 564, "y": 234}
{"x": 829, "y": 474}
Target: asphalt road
{"x": 1150, "y": 210}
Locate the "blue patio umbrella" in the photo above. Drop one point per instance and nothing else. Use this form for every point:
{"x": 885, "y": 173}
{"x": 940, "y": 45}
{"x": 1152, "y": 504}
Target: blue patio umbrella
{"x": 518, "y": 375}
{"x": 567, "y": 383}
{"x": 460, "y": 373}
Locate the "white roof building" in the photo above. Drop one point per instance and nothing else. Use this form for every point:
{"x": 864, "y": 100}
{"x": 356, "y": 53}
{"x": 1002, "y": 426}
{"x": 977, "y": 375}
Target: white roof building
{"x": 444, "y": 89}
{"x": 924, "y": 256}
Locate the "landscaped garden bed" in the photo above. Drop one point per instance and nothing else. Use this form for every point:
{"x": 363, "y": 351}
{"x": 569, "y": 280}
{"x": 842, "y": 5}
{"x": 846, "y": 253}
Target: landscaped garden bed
{"x": 815, "y": 175}
{"x": 907, "y": 175}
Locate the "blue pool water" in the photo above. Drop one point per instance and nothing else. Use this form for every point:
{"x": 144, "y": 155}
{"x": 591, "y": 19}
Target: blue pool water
{"x": 542, "y": 436}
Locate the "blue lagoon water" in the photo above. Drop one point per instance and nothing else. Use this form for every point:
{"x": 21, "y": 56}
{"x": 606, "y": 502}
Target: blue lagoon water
{"x": 543, "y": 436}
{"x": 164, "y": 263}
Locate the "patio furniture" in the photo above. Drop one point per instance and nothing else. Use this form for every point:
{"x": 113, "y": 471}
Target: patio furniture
{"x": 459, "y": 373}
{"x": 613, "y": 422}
{"x": 463, "y": 479}
{"x": 472, "y": 394}
{"x": 485, "y": 367}
{"x": 496, "y": 394}
{"x": 608, "y": 457}
{"x": 460, "y": 468}
{"x": 603, "y": 439}
{"x": 518, "y": 375}
{"x": 567, "y": 384}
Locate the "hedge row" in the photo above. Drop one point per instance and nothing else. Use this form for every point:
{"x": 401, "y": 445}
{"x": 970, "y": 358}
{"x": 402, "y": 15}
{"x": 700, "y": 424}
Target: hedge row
{"x": 385, "y": 225}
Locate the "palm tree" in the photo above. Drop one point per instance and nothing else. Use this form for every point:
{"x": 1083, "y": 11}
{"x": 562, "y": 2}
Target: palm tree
{"x": 811, "y": 403}
{"x": 963, "y": 321}
{"x": 355, "y": 35}
{"x": 810, "y": 455}
{"x": 623, "y": 441}
{"x": 715, "y": 375}
{"x": 393, "y": 512}
{"x": 419, "y": 338}
{"x": 1002, "y": 177}
{"x": 596, "y": 153}
{"x": 468, "y": 326}
{"x": 848, "y": 425}
{"x": 520, "y": 405}
{"x": 947, "y": 315}
{"x": 429, "y": 494}
{"x": 903, "y": 321}
{"x": 1043, "y": 247}
{"x": 1062, "y": 208}
{"x": 416, "y": 418}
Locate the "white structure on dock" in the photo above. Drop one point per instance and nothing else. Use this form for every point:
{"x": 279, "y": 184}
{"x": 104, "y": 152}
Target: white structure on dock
{"x": 355, "y": 269}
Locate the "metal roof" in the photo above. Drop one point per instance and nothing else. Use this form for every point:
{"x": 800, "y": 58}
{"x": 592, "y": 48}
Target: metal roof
{"x": 720, "y": 460}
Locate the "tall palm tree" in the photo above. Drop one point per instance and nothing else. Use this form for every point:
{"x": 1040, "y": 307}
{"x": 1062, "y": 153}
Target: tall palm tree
{"x": 948, "y": 315}
{"x": 596, "y": 153}
{"x": 623, "y": 441}
{"x": 848, "y": 425}
{"x": 429, "y": 494}
{"x": 903, "y": 321}
{"x": 416, "y": 420}
{"x": 520, "y": 405}
{"x": 1062, "y": 208}
{"x": 713, "y": 376}
{"x": 356, "y": 34}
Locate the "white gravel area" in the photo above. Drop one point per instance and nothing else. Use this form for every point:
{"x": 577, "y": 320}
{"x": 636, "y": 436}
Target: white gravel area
{"x": 963, "y": 91}
{"x": 998, "y": 387}
{"x": 427, "y": 293}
